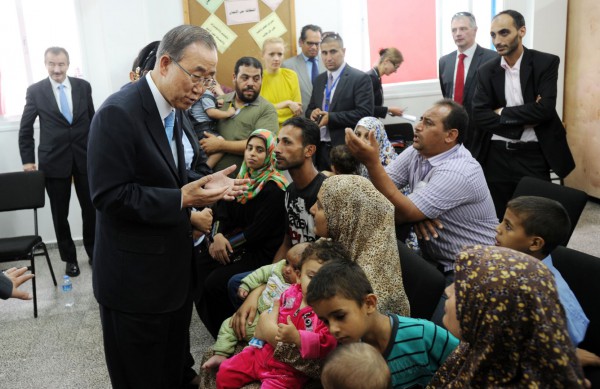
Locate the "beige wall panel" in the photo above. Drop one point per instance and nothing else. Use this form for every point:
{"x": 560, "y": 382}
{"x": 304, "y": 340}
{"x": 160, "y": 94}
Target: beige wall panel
{"x": 582, "y": 94}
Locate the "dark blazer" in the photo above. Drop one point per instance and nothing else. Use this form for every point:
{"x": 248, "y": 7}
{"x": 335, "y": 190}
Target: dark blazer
{"x": 61, "y": 143}
{"x": 446, "y": 74}
{"x": 539, "y": 75}
{"x": 143, "y": 250}
{"x": 298, "y": 65}
{"x": 352, "y": 101}
{"x": 379, "y": 110}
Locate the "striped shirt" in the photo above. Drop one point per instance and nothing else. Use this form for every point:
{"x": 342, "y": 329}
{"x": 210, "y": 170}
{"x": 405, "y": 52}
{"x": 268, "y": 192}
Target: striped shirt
{"x": 417, "y": 348}
{"x": 452, "y": 188}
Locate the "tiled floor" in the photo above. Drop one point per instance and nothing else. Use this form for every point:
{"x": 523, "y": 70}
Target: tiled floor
{"x": 62, "y": 348}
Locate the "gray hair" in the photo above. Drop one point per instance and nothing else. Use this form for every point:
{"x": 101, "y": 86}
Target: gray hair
{"x": 467, "y": 15}
{"x": 179, "y": 38}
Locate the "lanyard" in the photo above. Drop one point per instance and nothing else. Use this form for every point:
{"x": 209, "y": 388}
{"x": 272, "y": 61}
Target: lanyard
{"x": 329, "y": 90}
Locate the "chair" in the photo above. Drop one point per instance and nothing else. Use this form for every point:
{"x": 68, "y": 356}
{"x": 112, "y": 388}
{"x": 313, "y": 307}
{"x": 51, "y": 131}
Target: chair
{"x": 581, "y": 271}
{"x": 24, "y": 190}
{"x": 400, "y": 135}
{"x": 423, "y": 283}
{"x": 574, "y": 200}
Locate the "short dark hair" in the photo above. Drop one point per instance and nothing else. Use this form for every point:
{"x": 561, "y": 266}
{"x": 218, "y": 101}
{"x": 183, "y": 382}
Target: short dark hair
{"x": 457, "y": 118}
{"x": 311, "y": 27}
{"x": 324, "y": 250}
{"x": 56, "y": 51}
{"x": 248, "y": 61}
{"x": 343, "y": 160}
{"x": 542, "y": 217}
{"x": 339, "y": 278}
{"x": 518, "y": 19}
{"x": 468, "y": 15}
{"x": 146, "y": 58}
{"x": 311, "y": 134}
{"x": 329, "y": 36}
{"x": 179, "y": 38}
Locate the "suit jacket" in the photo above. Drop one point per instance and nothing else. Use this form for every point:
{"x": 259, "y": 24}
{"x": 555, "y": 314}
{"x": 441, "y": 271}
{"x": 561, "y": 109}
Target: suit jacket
{"x": 352, "y": 101}
{"x": 298, "y": 65}
{"x": 539, "y": 75}
{"x": 379, "y": 110}
{"x": 446, "y": 72}
{"x": 143, "y": 248}
{"x": 61, "y": 143}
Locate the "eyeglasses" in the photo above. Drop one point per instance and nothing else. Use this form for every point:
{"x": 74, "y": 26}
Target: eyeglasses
{"x": 331, "y": 34}
{"x": 204, "y": 81}
{"x": 309, "y": 44}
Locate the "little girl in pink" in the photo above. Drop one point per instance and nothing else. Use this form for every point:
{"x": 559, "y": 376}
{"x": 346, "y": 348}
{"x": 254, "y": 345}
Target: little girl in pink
{"x": 291, "y": 321}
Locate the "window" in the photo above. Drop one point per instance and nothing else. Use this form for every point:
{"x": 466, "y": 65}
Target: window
{"x": 421, "y": 31}
{"x": 28, "y": 28}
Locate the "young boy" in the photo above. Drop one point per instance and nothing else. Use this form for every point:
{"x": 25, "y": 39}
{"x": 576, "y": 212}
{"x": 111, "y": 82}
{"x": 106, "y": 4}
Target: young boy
{"x": 277, "y": 277}
{"x": 343, "y": 299}
{"x": 291, "y": 321}
{"x": 205, "y": 114}
{"x": 535, "y": 226}
{"x": 356, "y": 366}
{"x": 342, "y": 161}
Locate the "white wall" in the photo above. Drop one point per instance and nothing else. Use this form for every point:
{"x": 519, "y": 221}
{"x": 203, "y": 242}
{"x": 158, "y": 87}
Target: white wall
{"x": 113, "y": 31}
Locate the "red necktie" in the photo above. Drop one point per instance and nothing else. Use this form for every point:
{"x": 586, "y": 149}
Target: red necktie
{"x": 459, "y": 83}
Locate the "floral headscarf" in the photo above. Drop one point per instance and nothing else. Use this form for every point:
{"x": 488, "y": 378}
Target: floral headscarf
{"x": 362, "y": 219}
{"x": 268, "y": 172}
{"x": 512, "y": 324}
{"x": 386, "y": 151}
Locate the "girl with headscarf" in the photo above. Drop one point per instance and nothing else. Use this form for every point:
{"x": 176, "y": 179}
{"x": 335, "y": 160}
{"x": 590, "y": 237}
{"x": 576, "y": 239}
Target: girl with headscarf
{"x": 246, "y": 233}
{"x": 351, "y": 211}
{"x": 386, "y": 151}
{"x": 504, "y": 307}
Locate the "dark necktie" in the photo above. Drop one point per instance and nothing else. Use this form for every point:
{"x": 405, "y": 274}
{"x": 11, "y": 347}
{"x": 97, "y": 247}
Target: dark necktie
{"x": 64, "y": 104}
{"x": 314, "y": 69}
{"x": 459, "y": 83}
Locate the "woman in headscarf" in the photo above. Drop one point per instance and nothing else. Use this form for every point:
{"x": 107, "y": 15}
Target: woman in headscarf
{"x": 504, "y": 307}
{"x": 386, "y": 155}
{"x": 386, "y": 151}
{"x": 246, "y": 232}
{"x": 350, "y": 210}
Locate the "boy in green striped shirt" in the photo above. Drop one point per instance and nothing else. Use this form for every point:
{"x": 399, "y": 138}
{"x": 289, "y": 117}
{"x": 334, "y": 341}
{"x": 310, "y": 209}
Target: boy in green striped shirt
{"x": 343, "y": 299}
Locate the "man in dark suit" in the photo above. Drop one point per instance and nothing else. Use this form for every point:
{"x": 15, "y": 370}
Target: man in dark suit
{"x": 65, "y": 108}
{"x": 464, "y": 30}
{"x": 143, "y": 268}
{"x": 307, "y": 64}
{"x": 521, "y": 133}
{"x": 340, "y": 98}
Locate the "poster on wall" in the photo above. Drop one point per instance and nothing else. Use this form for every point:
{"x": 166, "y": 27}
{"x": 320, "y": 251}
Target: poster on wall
{"x": 241, "y": 11}
{"x": 210, "y": 5}
{"x": 223, "y": 35}
{"x": 273, "y": 4}
{"x": 270, "y": 26}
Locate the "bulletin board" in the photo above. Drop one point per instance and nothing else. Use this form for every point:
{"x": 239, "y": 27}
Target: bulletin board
{"x": 240, "y": 27}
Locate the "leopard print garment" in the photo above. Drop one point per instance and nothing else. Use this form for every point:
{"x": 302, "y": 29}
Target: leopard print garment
{"x": 362, "y": 219}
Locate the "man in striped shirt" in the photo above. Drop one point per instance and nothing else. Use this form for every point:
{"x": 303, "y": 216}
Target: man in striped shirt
{"x": 447, "y": 184}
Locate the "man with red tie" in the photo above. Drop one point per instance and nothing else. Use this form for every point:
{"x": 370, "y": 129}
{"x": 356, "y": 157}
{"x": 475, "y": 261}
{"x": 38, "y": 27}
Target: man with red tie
{"x": 458, "y": 70}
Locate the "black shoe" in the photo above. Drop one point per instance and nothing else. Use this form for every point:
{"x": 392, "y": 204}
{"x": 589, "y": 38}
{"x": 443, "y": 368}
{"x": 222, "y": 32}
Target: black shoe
{"x": 90, "y": 261}
{"x": 72, "y": 269}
